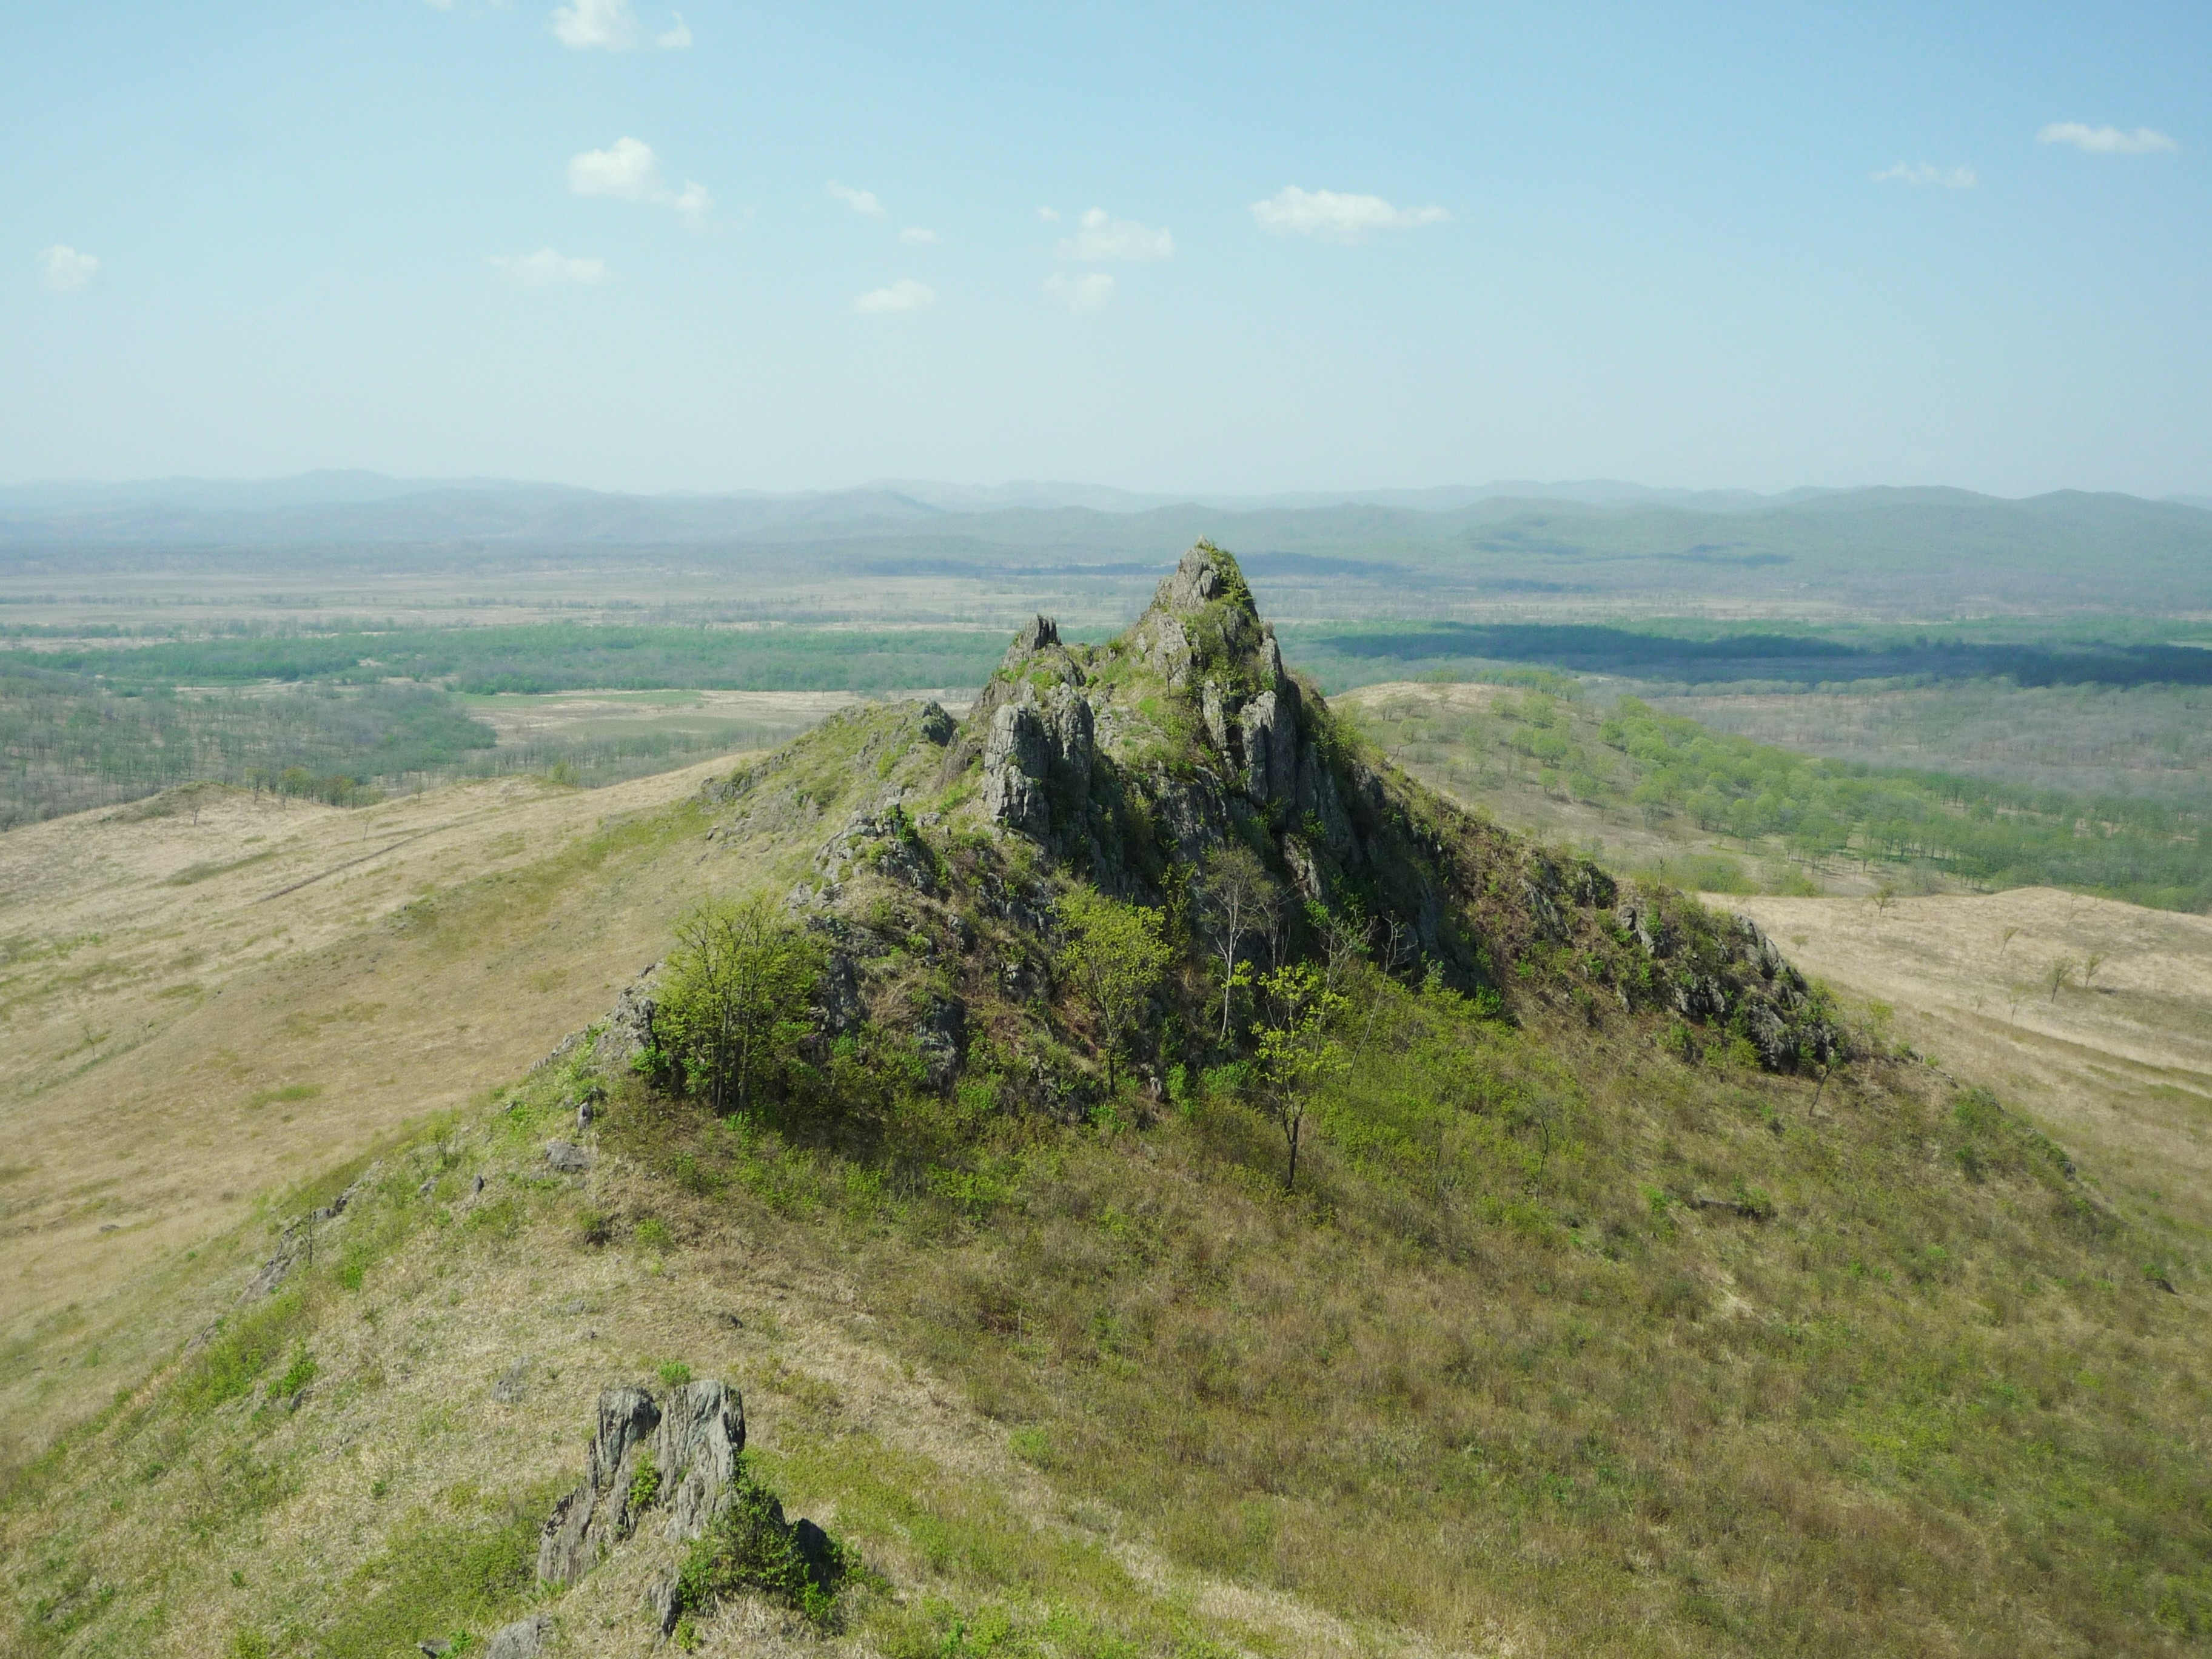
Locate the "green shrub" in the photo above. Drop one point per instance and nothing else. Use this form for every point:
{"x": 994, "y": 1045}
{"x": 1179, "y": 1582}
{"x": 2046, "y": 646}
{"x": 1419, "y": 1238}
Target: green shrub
{"x": 751, "y": 1546}
{"x": 298, "y": 1375}
{"x": 645, "y": 1481}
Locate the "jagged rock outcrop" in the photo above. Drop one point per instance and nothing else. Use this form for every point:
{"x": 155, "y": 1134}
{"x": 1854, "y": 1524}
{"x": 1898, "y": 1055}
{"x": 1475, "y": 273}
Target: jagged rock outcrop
{"x": 602, "y": 1511}
{"x": 889, "y": 840}
{"x": 525, "y": 1639}
{"x": 681, "y": 1458}
{"x": 703, "y": 1429}
{"x": 1128, "y": 764}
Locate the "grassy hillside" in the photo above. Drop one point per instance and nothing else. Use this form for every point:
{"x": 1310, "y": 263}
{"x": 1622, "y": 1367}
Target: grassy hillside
{"x": 1640, "y": 774}
{"x": 1596, "y": 1322}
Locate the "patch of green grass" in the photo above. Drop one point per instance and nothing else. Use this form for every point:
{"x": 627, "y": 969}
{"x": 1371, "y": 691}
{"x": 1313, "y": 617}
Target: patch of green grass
{"x": 436, "y": 1576}
{"x": 289, "y": 1094}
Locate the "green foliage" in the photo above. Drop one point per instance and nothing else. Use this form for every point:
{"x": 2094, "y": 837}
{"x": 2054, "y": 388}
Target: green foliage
{"x": 1115, "y": 954}
{"x": 733, "y": 1007}
{"x": 246, "y": 1346}
{"x": 675, "y": 1373}
{"x": 749, "y": 1546}
{"x": 435, "y": 1575}
{"x": 297, "y": 1375}
{"x": 644, "y": 1482}
{"x": 1295, "y": 1050}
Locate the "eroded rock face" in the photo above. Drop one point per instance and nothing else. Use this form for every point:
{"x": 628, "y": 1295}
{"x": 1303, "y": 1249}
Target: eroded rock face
{"x": 701, "y": 1433}
{"x": 1017, "y": 763}
{"x": 599, "y": 1513}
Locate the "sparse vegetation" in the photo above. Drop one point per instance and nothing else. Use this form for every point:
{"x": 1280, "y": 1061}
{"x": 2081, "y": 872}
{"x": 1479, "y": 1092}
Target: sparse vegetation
{"x": 1545, "y": 738}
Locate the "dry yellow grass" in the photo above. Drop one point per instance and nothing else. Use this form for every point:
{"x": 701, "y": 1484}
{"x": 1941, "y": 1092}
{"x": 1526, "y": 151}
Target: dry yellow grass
{"x": 208, "y": 998}
{"x": 2121, "y": 1070}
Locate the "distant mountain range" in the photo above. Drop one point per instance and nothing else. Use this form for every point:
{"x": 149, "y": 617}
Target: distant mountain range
{"x": 336, "y": 508}
{"x": 887, "y": 497}
{"x": 1926, "y": 551}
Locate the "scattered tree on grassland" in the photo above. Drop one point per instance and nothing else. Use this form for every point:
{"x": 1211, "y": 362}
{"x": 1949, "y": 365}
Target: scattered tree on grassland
{"x": 734, "y": 1006}
{"x": 1116, "y": 955}
{"x": 1297, "y": 1049}
{"x": 2060, "y": 972}
{"x": 1237, "y": 895}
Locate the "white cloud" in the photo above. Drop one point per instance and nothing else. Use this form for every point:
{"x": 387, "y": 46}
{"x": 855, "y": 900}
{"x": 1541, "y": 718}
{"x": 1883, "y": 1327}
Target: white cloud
{"x": 1333, "y": 216}
{"x": 607, "y": 25}
{"x": 68, "y": 270}
{"x": 629, "y": 169}
{"x": 1921, "y": 172}
{"x": 2104, "y": 141}
{"x": 1098, "y": 236}
{"x": 860, "y": 201}
{"x": 918, "y": 234}
{"x": 546, "y": 269}
{"x": 1050, "y": 216}
{"x": 904, "y": 295}
{"x": 1088, "y": 292}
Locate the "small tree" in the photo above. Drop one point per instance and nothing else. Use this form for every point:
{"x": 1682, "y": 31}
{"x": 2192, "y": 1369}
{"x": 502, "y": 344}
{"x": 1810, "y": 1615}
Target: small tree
{"x": 1297, "y": 1050}
{"x": 1238, "y": 896}
{"x": 2090, "y": 964}
{"x": 734, "y": 1005}
{"x": 1116, "y": 955}
{"x": 2060, "y": 972}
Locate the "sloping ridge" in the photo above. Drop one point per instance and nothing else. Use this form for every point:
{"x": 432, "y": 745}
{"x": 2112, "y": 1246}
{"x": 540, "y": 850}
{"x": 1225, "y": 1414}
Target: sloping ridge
{"x": 1627, "y": 1301}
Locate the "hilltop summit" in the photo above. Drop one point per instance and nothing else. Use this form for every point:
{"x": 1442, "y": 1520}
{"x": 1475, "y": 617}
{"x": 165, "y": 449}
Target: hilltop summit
{"x": 1126, "y": 765}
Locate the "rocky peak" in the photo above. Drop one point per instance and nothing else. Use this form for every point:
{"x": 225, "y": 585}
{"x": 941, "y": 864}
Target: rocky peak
{"x": 1202, "y": 616}
{"x": 1205, "y": 573}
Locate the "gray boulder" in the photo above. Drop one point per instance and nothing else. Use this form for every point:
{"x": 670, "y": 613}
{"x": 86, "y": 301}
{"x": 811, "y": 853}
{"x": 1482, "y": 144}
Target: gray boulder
{"x": 566, "y": 1158}
{"x": 523, "y": 1640}
{"x": 1017, "y": 761}
{"x": 1271, "y": 748}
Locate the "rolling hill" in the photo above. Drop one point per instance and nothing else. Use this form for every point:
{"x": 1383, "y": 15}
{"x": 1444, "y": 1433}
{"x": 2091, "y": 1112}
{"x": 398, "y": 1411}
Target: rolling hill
{"x": 1530, "y": 1261}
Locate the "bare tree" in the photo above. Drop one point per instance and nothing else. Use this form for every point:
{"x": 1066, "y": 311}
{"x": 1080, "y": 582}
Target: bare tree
{"x": 2005, "y": 939}
{"x": 1236, "y": 893}
{"x": 2093, "y": 962}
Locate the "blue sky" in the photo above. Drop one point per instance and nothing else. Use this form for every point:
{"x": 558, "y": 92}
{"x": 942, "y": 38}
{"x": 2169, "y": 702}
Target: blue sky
{"x": 1326, "y": 246}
